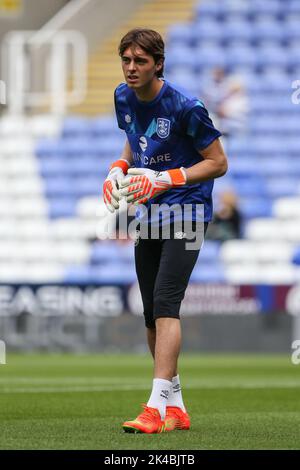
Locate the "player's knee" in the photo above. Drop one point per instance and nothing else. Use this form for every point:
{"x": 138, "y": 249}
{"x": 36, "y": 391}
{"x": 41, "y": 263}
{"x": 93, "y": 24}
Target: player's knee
{"x": 164, "y": 307}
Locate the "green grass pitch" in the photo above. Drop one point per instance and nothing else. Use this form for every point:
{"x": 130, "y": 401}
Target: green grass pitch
{"x": 66, "y": 401}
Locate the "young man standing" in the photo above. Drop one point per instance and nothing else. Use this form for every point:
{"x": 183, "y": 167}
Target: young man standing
{"x": 176, "y": 154}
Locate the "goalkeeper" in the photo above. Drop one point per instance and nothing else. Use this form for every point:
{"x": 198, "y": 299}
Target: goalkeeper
{"x": 171, "y": 156}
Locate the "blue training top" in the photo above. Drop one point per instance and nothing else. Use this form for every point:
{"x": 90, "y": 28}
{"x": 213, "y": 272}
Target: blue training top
{"x": 166, "y": 133}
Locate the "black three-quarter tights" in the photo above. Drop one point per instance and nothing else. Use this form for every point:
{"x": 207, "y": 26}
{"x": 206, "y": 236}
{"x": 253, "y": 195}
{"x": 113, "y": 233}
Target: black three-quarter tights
{"x": 163, "y": 267}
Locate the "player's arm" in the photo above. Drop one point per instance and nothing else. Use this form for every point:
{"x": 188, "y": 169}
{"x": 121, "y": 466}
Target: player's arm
{"x": 117, "y": 172}
{"x": 213, "y": 165}
{"x": 127, "y": 153}
{"x": 141, "y": 184}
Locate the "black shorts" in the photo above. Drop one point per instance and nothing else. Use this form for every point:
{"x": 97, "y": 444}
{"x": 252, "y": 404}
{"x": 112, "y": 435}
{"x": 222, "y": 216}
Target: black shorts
{"x": 164, "y": 267}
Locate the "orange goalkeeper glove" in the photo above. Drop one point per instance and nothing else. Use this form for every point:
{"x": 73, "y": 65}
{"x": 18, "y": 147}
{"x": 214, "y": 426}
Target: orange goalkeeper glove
{"x": 141, "y": 184}
{"x": 111, "y": 194}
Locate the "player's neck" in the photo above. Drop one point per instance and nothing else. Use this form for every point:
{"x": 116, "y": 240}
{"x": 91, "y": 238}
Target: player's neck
{"x": 149, "y": 91}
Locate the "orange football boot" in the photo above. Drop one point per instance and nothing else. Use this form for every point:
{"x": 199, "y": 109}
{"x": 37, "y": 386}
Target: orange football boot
{"x": 176, "y": 419}
{"x": 149, "y": 422}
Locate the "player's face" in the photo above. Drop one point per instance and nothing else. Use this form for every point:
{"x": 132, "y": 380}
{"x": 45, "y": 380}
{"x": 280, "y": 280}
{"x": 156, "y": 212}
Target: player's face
{"x": 138, "y": 67}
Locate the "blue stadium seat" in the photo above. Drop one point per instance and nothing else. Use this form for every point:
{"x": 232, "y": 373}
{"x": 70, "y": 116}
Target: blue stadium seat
{"x": 252, "y": 207}
{"x": 266, "y": 84}
{"x": 209, "y": 9}
{"x": 271, "y": 7}
{"x": 244, "y": 166}
{"x": 88, "y": 165}
{"x": 48, "y": 148}
{"x": 76, "y": 126}
{"x": 293, "y": 146}
{"x": 279, "y": 167}
{"x": 293, "y": 56}
{"x": 86, "y": 186}
{"x": 296, "y": 256}
{"x": 244, "y": 55}
{"x": 59, "y": 186}
{"x": 276, "y": 105}
{"x": 180, "y": 34}
{"x": 209, "y": 252}
{"x": 103, "y": 252}
{"x": 53, "y": 166}
{"x": 186, "y": 80}
{"x": 209, "y": 273}
{"x": 267, "y": 125}
{"x": 62, "y": 207}
{"x": 250, "y": 187}
{"x": 242, "y": 31}
{"x": 292, "y": 7}
{"x": 272, "y": 55}
{"x": 284, "y": 186}
{"x": 268, "y": 30}
{"x": 77, "y": 275}
{"x": 104, "y": 126}
{"x": 99, "y": 275}
{"x": 291, "y": 29}
{"x": 179, "y": 57}
{"x": 113, "y": 275}
{"x": 208, "y": 30}
{"x": 209, "y": 57}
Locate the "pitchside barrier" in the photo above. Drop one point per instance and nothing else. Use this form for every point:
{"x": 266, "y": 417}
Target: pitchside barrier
{"x": 102, "y": 318}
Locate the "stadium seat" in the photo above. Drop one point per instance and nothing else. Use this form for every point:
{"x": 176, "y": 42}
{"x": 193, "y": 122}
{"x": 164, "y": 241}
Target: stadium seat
{"x": 265, "y": 229}
{"x": 186, "y": 80}
{"x": 209, "y": 252}
{"x": 180, "y": 35}
{"x": 104, "y": 126}
{"x": 285, "y": 186}
{"x": 61, "y": 207}
{"x": 250, "y": 251}
{"x": 209, "y": 9}
{"x": 252, "y": 207}
{"x": 75, "y": 126}
{"x": 272, "y": 7}
{"x": 208, "y": 30}
{"x": 254, "y": 274}
{"x": 209, "y": 57}
{"x": 238, "y": 30}
{"x": 104, "y": 253}
{"x": 208, "y": 273}
{"x": 287, "y": 208}
{"x": 296, "y": 256}
{"x": 110, "y": 275}
{"x": 241, "y": 56}
{"x": 180, "y": 57}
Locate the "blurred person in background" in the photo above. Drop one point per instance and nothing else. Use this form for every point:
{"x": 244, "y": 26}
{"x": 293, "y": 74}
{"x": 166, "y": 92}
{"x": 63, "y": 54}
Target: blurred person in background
{"x": 226, "y": 223}
{"x": 176, "y": 151}
{"x": 226, "y": 98}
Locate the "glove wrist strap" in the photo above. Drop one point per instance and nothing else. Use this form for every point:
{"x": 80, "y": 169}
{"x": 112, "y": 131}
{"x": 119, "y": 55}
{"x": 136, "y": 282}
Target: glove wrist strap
{"x": 121, "y": 163}
{"x": 178, "y": 176}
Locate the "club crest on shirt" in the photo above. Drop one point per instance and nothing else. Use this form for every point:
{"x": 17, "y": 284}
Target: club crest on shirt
{"x": 163, "y": 127}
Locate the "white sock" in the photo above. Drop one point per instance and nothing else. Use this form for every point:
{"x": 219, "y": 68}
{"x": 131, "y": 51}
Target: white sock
{"x": 159, "y": 396}
{"x": 175, "y": 398}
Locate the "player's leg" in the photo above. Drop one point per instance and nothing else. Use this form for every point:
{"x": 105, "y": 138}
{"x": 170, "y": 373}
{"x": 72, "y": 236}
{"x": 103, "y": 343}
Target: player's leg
{"x": 167, "y": 347}
{"x": 147, "y": 259}
{"x": 151, "y": 338}
{"x": 176, "y": 266}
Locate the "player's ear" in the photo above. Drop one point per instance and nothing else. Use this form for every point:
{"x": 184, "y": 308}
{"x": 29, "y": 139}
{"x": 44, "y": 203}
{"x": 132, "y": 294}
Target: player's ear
{"x": 159, "y": 65}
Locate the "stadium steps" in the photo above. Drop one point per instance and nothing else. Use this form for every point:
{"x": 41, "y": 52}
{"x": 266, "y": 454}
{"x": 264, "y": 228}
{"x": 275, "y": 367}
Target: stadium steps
{"x": 104, "y": 69}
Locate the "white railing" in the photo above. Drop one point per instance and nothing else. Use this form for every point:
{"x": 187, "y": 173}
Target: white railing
{"x": 27, "y": 57}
